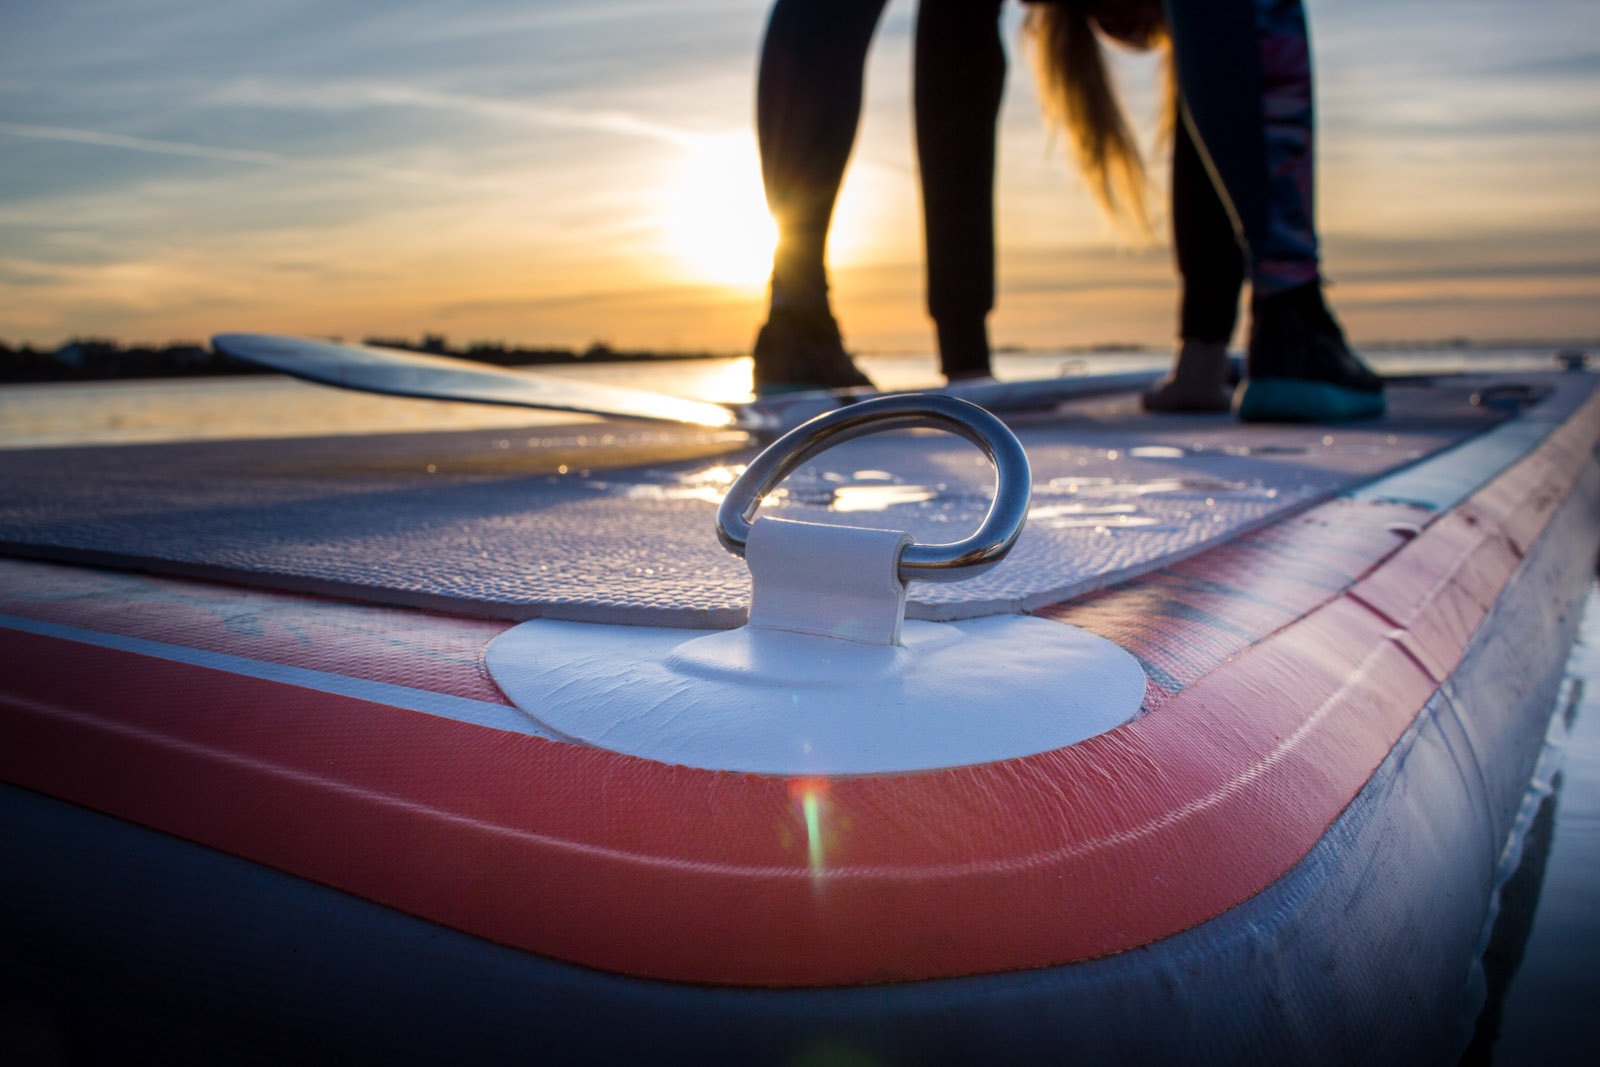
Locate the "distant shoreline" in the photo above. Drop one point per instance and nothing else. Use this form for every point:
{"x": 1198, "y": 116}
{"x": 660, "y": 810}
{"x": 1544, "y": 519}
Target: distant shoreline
{"x": 98, "y": 359}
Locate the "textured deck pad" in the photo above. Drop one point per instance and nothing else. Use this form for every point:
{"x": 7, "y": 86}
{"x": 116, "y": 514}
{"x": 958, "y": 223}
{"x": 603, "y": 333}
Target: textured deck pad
{"x": 615, "y": 524}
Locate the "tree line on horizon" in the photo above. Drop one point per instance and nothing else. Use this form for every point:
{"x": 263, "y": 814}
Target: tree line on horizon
{"x": 102, "y": 359}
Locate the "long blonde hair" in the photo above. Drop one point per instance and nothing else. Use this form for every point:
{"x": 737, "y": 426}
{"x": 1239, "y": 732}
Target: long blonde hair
{"x": 1081, "y": 100}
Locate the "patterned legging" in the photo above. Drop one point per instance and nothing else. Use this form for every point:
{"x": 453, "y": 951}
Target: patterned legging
{"x": 1244, "y": 72}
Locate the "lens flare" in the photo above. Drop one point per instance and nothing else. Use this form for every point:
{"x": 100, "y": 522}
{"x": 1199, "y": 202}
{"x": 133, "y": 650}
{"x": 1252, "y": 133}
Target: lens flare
{"x": 811, "y": 796}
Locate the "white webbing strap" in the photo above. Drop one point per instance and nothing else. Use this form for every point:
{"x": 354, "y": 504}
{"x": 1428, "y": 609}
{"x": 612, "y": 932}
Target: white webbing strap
{"x": 830, "y": 581}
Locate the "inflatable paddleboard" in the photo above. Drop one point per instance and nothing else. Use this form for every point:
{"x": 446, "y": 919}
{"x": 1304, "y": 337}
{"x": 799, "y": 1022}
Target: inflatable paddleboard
{"x": 489, "y": 748}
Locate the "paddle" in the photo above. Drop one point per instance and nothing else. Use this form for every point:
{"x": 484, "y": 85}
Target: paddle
{"x": 402, "y": 373}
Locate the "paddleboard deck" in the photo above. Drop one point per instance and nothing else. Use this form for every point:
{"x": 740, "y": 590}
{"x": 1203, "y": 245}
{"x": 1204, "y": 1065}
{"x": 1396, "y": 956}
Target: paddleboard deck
{"x": 589, "y": 525}
{"x": 1344, "y": 702}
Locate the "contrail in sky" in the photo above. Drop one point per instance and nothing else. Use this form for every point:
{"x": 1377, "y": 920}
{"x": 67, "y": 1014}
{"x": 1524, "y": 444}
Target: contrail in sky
{"x": 352, "y": 95}
{"x": 246, "y": 156}
{"x": 617, "y": 122}
{"x": 145, "y": 144}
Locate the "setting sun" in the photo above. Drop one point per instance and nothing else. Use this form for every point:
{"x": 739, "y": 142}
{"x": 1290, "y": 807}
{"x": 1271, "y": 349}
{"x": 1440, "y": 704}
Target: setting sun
{"x": 716, "y": 216}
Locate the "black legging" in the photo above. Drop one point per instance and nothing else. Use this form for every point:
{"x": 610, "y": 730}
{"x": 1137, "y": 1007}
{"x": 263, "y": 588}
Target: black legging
{"x": 959, "y": 83}
{"x": 808, "y": 106}
{"x": 1211, "y": 262}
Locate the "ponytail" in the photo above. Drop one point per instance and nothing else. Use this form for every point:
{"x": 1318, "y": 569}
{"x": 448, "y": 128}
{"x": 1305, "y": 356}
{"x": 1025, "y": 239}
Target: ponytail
{"x": 1079, "y": 98}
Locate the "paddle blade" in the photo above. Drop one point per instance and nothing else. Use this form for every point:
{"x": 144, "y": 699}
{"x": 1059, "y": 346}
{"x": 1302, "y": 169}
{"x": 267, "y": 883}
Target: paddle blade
{"x": 400, "y": 373}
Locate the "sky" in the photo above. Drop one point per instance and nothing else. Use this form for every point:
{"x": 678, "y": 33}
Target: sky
{"x": 558, "y": 172}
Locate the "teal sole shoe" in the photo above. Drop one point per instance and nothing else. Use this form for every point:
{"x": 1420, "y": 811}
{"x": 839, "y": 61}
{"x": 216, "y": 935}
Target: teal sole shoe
{"x": 1303, "y": 400}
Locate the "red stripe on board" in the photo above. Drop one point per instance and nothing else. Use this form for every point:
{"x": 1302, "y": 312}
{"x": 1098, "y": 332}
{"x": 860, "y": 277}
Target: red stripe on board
{"x": 416, "y": 649}
{"x": 649, "y": 869}
{"x": 634, "y": 866}
{"x": 1186, "y": 620}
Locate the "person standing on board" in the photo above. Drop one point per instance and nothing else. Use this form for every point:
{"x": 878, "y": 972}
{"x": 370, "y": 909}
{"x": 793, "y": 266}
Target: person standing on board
{"x": 808, "y": 105}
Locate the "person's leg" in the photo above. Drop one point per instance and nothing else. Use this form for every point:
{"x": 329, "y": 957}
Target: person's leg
{"x": 960, "y": 81}
{"x": 1211, "y": 271}
{"x": 1288, "y": 249}
{"x": 808, "y": 106}
{"x": 1218, "y": 64}
{"x": 1245, "y": 73}
{"x": 1211, "y": 263}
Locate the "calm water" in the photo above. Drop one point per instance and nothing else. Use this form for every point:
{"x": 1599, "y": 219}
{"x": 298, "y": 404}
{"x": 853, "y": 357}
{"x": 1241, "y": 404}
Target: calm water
{"x": 1550, "y": 1012}
{"x": 1552, "y": 1006}
{"x": 33, "y": 416}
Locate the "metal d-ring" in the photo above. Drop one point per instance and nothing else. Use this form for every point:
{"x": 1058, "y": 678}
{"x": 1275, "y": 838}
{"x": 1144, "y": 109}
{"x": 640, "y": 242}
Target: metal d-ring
{"x": 951, "y": 562}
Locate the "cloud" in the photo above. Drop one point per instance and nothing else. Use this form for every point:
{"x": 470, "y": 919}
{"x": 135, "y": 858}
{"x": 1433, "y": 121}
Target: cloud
{"x": 349, "y": 96}
{"x": 499, "y": 158}
{"x": 144, "y": 144}
{"x": 255, "y": 158}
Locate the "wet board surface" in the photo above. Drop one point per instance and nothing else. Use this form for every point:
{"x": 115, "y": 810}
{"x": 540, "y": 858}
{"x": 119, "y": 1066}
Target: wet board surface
{"x": 615, "y": 523}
